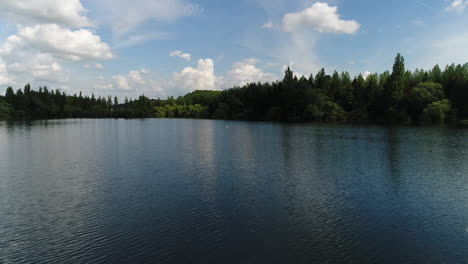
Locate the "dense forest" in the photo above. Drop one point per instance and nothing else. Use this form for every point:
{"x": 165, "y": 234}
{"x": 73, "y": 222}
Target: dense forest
{"x": 421, "y": 96}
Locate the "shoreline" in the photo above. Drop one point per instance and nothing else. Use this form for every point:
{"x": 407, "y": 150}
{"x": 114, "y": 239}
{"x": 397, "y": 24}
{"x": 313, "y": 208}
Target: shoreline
{"x": 451, "y": 124}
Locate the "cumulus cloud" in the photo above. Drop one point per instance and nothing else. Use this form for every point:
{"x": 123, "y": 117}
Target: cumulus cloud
{"x": 457, "y": 6}
{"x": 64, "y": 12}
{"x": 131, "y": 84}
{"x": 62, "y": 42}
{"x": 244, "y": 72}
{"x": 125, "y": 16}
{"x": 133, "y": 81}
{"x": 203, "y": 77}
{"x": 25, "y": 64}
{"x": 181, "y": 54}
{"x": 49, "y": 34}
{"x": 200, "y": 78}
{"x": 136, "y": 77}
{"x": 322, "y": 18}
{"x": 189, "y": 79}
{"x": 53, "y": 73}
{"x": 120, "y": 82}
{"x": 34, "y": 53}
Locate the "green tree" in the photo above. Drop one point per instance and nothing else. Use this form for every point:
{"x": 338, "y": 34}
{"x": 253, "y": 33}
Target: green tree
{"x": 422, "y": 95}
{"x": 395, "y": 88}
{"x": 10, "y": 95}
{"x": 436, "y": 74}
{"x": 5, "y": 109}
{"x": 437, "y": 112}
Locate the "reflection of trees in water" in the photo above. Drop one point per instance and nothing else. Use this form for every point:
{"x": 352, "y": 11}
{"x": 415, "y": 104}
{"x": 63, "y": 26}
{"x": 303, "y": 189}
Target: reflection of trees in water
{"x": 313, "y": 211}
{"x": 393, "y": 155}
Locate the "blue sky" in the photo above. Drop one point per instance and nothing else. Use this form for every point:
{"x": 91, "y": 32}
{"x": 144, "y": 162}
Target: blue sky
{"x": 171, "y": 47}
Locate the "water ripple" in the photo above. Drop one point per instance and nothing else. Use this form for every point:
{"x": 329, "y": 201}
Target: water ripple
{"x": 188, "y": 191}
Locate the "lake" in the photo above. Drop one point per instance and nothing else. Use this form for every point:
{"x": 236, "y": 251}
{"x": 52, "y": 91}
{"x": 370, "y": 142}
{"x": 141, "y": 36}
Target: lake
{"x": 203, "y": 191}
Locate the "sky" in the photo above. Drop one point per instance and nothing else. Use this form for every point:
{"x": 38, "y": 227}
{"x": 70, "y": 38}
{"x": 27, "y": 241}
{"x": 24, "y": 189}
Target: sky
{"x": 163, "y": 48}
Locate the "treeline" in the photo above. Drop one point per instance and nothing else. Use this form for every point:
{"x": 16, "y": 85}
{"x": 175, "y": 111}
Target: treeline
{"x": 45, "y": 104}
{"x": 399, "y": 96}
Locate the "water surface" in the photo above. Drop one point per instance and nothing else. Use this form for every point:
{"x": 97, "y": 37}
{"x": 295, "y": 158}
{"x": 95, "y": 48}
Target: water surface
{"x": 201, "y": 191}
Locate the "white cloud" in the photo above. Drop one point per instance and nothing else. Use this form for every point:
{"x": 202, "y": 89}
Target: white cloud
{"x": 44, "y": 44}
{"x": 200, "y": 78}
{"x": 268, "y": 25}
{"x": 49, "y": 73}
{"x": 418, "y": 22}
{"x": 248, "y": 61}
{"x": 11, "y": 45}
{"x": 120, "y": 82}
{"x": 28, "y": 65}
{"x": 100, "y": 86}
{"x": 131, "y": 82}
{"x": 301, "y": 54}
{"x": 321, "y": 17}
{"x": 295, "y": 46}
{"x": 457, "y": 6}
{"x": 62, "y": 42}
{"x": 293, "y": 68}
{"x": 136, "y": 77}
{"x": 125, "y": 16}
{"x": 138, "y": 39}
{"x": 366, "y": 74}
{"x": 64, "y": 12}
{"x": 35, "y": 53}
{"x": 181, "y": 54}
{"x": 4, "y": 76}
{"x": 203, "y": 77}
{"x": 244, "y": 72}
{"x": 97, "y": 66}
{"x": 46, "y": 37}
{"x": 273, "y": 64}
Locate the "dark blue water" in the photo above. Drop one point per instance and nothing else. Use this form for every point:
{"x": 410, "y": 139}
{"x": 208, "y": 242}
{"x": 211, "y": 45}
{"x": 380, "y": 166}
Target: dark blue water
{"x": 195, "y": 191}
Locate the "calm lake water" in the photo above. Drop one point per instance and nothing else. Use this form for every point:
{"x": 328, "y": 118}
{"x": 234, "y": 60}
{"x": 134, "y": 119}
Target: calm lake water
{"x": 201, "y": 191}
